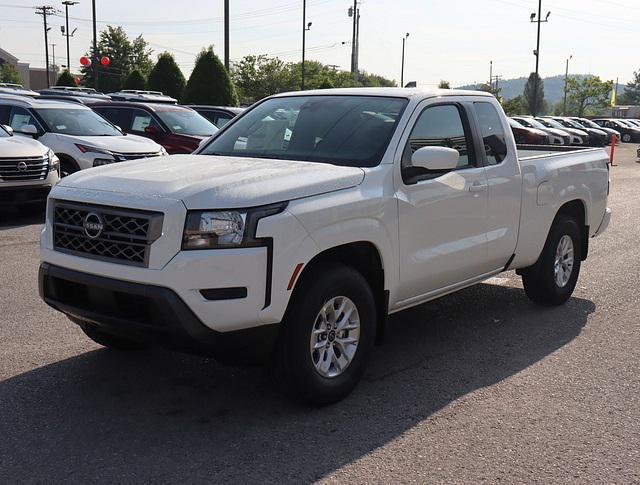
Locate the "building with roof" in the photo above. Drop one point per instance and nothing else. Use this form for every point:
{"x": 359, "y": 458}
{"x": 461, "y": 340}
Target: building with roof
{"x": 32, "y": 77}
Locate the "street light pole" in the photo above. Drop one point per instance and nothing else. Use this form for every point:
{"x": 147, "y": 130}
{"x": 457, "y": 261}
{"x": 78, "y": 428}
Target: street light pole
{"x": 566, "y": 77}
{"x": 402, "y": 69}
{"x": 68, "y": 34}
{"x": 305, "y": 26}
{"x": 538, "y": 20}
{"x": 94, "y": 57}
{"x": 53, "y": 54}
{"x": 226, "y": 34}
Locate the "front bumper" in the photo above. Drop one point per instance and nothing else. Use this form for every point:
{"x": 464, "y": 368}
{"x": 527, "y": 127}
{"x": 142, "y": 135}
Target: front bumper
{"x": 147, "y": 313}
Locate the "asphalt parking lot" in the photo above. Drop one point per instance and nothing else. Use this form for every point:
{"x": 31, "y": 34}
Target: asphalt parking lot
{"x": 480, "y": 386}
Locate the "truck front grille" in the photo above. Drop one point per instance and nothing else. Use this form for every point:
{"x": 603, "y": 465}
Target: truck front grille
{"x": 26, "y": 168}
{"x": 110, "y": 234}
{"x": 122, "y": 157}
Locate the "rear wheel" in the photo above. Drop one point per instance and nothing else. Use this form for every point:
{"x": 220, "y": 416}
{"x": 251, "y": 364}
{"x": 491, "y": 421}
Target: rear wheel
{"x": 626, "y": 138}
{"x": 111, "y": 341}
{"x": 327, "y": 335}
{"x": 553, "y": 278}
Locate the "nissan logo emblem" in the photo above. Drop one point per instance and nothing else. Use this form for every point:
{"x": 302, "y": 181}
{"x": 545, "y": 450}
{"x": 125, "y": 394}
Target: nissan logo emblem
{"x": 93, "y": 225}
{"x": 22, "y": 166}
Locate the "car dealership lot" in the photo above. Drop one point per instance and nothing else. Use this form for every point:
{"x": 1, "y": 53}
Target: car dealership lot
{"x": 480, "y": 385}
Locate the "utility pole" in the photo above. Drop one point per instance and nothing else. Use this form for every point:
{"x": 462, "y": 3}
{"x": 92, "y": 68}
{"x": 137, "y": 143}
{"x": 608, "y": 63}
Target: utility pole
{"x": 566, "y": 78}
{"x": 305, "y": 26}
{"x": 45, "y": 10}
{"x": 66, "y": 33}
{"x": 94, "y": 58}
{"x": 402, "y": 69}
{"x": 226, "y": 34}
{"x": 353, "y": 12}
{"x": 490, "y": 73}
{"x": 536, "y": 53}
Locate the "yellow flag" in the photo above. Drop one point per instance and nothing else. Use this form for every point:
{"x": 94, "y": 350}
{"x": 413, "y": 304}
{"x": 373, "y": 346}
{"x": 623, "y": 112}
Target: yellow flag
{"x": 613, "y": 96}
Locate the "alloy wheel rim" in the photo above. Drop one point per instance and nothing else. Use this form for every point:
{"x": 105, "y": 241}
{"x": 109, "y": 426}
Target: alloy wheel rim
{"x": 563, "y": 263}
{"x": 335, "y": 336}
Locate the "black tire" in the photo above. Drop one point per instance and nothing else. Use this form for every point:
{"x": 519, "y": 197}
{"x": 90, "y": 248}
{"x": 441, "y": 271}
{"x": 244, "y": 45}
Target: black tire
{"x": 539, "y": 280}
{"x": 626, "y": 138}
{"x": 111, "y": 341}
{"x": 292, "y": 367}
{"x": 67, "y": 167}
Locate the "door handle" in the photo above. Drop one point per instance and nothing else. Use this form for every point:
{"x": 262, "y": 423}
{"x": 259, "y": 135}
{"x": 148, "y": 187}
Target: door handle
{"x": 477, "y": 187}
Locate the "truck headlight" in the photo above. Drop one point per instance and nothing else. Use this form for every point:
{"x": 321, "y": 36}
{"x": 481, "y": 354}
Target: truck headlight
{"x": 54, "y": 161}
{"x": 216, "y": 229}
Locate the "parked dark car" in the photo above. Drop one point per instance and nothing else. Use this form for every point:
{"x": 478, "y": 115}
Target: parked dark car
{"x": 628, "y": 132}
{"x": 177, "y": 128}
{"x": 218, "y": 115}
{"x": 590, "y": 124}
{"x": 597, "y": 137}
{"x": 528, "y": 136}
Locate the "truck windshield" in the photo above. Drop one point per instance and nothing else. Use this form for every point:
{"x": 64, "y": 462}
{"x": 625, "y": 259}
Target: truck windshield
{"x": 186, "y": 122}
{"x": 77, "y": 122}
{"x": 340, "y": 130}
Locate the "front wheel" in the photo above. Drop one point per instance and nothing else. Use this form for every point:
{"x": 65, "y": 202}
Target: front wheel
{"x": 626, "y": 138}
{"x": 553, "y": 278}
{"x": 327, "y": 337}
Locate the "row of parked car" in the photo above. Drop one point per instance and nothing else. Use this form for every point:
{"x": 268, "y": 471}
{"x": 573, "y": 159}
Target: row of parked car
{"x": 559, "y": 130}
{"x": 79, "y": 128}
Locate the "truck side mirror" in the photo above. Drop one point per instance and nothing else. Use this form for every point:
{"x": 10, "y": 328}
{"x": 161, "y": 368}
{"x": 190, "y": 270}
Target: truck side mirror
{"x": 8, "y": 129}
{"x": 29, "y": 130}
{"x": 435, "y": 158}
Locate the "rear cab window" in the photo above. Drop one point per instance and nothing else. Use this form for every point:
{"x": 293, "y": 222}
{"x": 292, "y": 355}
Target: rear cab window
{"x": 493, "y": 135}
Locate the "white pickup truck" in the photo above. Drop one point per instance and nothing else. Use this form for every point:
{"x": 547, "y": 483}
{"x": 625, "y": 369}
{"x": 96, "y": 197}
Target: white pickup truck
{"x": 296, "y": 229}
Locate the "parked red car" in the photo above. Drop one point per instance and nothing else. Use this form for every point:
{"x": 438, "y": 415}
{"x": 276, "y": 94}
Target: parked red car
{"x": 177, "y": 128}
{"x": 528, "y": 136}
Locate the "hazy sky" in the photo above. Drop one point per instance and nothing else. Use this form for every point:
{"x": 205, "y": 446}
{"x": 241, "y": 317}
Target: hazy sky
{"x": 449, "y": 39}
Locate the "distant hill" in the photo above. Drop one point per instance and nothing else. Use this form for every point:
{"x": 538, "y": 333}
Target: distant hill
{"x": 553, "y": 87}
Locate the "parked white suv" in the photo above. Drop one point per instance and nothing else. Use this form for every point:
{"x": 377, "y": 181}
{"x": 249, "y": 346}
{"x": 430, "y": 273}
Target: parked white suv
{"x": 300, "y": 225}
{"x": 80, "y": 137}
{"x": 28, "y": 169}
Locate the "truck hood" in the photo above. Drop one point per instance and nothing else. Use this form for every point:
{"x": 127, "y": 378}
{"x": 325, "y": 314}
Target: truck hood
{"x": 117, "y": 143}
{"x": 210, "y": 182}
{"x": 17, "y": 147}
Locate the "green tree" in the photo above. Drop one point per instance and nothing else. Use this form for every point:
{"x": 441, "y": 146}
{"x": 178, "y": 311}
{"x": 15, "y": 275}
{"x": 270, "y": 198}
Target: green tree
{"x": 167, "y": 77}
{"x": 9, "y": 74}
{"x": 66, "y": 79}
{"x": 124, "y": 55}
{"x": 444, "y": 85}
{"x": 487, "y": 88}
{"x": 589, "y": 93}
{"x": 135, "y": 80}
{"x": 534, "y": 94}
{"x": 257, "y": 77}
{"x": 631, "y": 93}
{"x": 514, "y": 106}
{"x": 209, "y": 82}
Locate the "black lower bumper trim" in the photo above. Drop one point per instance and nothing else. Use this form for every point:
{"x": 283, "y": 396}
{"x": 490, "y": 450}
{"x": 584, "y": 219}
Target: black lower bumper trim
{"x": 24, "y": 194}
{"x": 148, "y": 313}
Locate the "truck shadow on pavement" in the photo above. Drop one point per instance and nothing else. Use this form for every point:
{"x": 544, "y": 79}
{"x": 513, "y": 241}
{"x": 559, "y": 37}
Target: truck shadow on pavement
{"x": 164, "y": 417}
{"x": 21, "y": 216}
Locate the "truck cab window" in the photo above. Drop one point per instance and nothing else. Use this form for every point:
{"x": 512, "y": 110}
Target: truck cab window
{"x": 442, "y": 126}
{"x": 493, "y": 137}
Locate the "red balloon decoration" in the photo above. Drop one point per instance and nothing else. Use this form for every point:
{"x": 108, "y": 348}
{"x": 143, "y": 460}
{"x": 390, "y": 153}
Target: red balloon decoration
{"x": 84, "y": 60}
{"x": 78, "y": 79}
{"x": 105, "y": 61}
